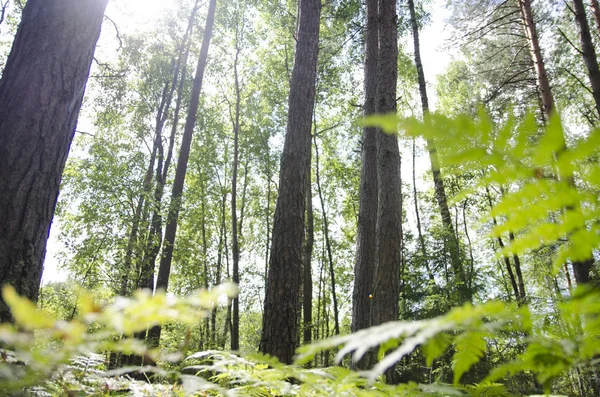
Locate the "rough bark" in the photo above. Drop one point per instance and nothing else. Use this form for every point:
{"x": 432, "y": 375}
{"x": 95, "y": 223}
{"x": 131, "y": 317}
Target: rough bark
{"x": 41, "y": 92}
{"x": 280, "y": 328}
{"x": 307, "y": 289}
{"x": 364, "y": 266}
{"x": 588, "y": 51}
{"x": 464, "y": 292}
{"x": 386, "y": 282}
{"x": 164, "y": 270}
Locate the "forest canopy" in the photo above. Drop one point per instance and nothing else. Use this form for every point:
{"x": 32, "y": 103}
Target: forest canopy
{"x": 275, "y": 198}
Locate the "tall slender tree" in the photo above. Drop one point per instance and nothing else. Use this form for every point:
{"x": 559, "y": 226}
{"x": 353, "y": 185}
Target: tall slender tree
{"x": 582, "y": 268}
{"x": 364, "y": 266}
{"x": 41, "y": 92}
{"x": 464, "y": 292}
{"x": 280, "y": 326}
{"x": 235, "y": 247}
{"x": 164, "y": 270}
{"x": 307, "y": 282}
{"x": 536, "y": 56}
{"x": 588, "y": 51}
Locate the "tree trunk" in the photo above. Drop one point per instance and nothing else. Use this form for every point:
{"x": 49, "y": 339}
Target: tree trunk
{"x": 596, "y": 11}
{"x": 386, "y": 282}
{"x": 154, "y": 240}
{"x": 213, "y": 315}
{"x": 536, "y": 56}
{"x": 164, "y": 270}
{"x": 364, "y": 267}
{"x": 307, "y": 290}
{"x": 280, "y": 328}
{"x": 587, "y": 50}
{"x": 509, "y": 269}
{"x": 464, "y": 292}
{"x": 517, "y": 262}
{"x": 41, "y": 91}
{"x": 418, "y": 216}
{"x": 581, "y": 269}
{"x": 235, "y": 248}
{"x": 336, "y": 314}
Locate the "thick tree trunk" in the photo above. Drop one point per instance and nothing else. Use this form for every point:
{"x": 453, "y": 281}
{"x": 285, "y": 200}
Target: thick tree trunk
{"x": 164, "y": 270}
{"x": 307, "y": 289}
{"x": 336, "y": 315}
{"x": 464, "y": 292}
{"x": 587, "y": 50}
{"x": 364, "y": 266}
{"x": 386, "y": 282}
{"x": 280, "y": 328}
{"x": 41, "y": 91}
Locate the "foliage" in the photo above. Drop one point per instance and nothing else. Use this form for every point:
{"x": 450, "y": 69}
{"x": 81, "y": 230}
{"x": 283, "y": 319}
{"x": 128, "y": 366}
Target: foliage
{"x": 541, "y": 204}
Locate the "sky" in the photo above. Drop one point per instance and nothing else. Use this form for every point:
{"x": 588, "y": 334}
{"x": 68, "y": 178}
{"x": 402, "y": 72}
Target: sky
{"x": 130, "y": 15}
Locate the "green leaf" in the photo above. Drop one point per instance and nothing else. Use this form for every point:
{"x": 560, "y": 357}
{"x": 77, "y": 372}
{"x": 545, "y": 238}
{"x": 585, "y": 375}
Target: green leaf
{"x": 470, "y": 347}
{"x": 436, "y": 347}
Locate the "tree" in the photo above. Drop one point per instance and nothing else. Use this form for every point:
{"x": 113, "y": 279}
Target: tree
{"x": 41, "y": 92}
{"x": 581, "y": 268}
{"x": 587, "y": 50}
{"x": 464, "y": 292}
{"x": 367, "y": 214}
{"x": 162, "y": 281}
{"x": 235, "y": 225}
{"x": 280, "y": 327}
{"x": 596, "y": 11}
{"x": 386, "y": 281}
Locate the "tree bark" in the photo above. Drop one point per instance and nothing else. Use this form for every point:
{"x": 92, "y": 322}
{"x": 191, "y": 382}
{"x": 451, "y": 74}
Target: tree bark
{"x": 164, "y": 270}
{"x": 588, "y": 51}
{"x": 280, "y": 328}
{"x": 364, "y": 267}
{"x": 386, "y": 282}
{"x": 41, "y": 92}
{"x": 464, "y": 292}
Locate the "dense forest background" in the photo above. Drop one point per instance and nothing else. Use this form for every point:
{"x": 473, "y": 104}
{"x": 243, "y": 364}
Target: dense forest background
{"x": 227, "y": 142}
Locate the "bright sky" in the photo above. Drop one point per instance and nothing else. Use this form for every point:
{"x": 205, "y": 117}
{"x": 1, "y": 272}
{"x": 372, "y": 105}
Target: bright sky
{"x": 130, "y": 15}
